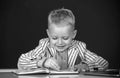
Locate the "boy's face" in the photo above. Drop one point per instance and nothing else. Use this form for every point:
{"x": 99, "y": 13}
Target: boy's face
{"x": 60, "y": 36}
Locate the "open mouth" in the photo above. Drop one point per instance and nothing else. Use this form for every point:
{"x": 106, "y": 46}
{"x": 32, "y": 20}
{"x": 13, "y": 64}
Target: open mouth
{"x": 60, "y": 47}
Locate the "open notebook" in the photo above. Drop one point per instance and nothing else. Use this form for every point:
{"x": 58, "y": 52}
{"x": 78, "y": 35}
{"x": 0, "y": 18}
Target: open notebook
{"x": 109, "y": 72}
{"x": 43, "y": 71}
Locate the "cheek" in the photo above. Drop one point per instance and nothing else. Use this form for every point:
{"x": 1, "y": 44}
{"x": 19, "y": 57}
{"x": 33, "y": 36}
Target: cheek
{"x": 52, "y": 41}
{"x": 67, "y": 42}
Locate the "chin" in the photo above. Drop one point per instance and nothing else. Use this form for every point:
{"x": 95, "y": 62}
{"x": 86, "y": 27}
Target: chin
{"x": 61, "y": 50}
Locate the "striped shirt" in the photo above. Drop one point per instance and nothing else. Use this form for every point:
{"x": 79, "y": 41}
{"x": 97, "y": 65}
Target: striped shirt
{"x": 77, "y": 52}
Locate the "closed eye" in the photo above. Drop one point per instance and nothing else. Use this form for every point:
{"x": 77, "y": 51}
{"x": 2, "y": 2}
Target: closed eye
{"x": 54, "y": 38}
{"x": 65, "y": 38}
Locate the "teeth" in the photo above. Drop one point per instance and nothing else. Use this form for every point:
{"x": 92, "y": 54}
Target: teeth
{"x": 60, "y": 46}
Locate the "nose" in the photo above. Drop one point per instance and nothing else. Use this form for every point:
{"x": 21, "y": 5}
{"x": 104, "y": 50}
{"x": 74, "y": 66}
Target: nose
{"x": 60, "y": 42}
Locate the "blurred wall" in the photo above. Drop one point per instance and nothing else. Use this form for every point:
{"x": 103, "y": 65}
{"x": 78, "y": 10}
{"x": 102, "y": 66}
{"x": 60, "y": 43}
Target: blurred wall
{"x": 23, "y": 23}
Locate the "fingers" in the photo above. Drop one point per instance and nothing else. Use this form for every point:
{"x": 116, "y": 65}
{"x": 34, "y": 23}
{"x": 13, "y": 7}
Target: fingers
{"x": 52, "y": 63}
{"x": 81, "y": 68}
{"x": 55, "y": 66}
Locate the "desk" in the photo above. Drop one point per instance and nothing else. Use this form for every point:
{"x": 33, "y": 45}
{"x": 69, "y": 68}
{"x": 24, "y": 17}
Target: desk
{"x": 7, "y": 73}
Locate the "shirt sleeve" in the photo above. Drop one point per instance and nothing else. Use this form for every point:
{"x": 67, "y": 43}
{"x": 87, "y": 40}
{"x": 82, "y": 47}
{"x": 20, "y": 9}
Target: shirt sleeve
{"x": 93, "y": 61}
{"x": 29, "y": 60}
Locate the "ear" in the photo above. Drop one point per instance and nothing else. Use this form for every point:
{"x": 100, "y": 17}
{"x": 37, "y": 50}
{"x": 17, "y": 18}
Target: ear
{"x": 74, "y": 33}
{"x": 48, "y": 33}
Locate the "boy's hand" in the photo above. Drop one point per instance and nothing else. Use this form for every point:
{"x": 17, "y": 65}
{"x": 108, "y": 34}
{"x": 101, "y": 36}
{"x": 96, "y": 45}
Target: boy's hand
{"x": 52, "y": 63}
{"x": 81, "y": 67}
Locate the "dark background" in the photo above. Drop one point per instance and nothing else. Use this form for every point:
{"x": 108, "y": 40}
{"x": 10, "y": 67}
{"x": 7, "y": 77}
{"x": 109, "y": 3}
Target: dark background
{"x": 23, "y": 23}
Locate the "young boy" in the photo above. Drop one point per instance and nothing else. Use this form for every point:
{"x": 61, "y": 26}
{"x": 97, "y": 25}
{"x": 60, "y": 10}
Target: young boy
{"x": 60, "y": 51}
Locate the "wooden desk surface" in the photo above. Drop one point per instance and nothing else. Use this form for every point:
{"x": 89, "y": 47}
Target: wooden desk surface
{"x": 7, "y": 73}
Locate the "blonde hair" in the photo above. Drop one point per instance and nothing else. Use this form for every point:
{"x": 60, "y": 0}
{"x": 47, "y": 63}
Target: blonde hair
{"x": 61, "y": 16}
